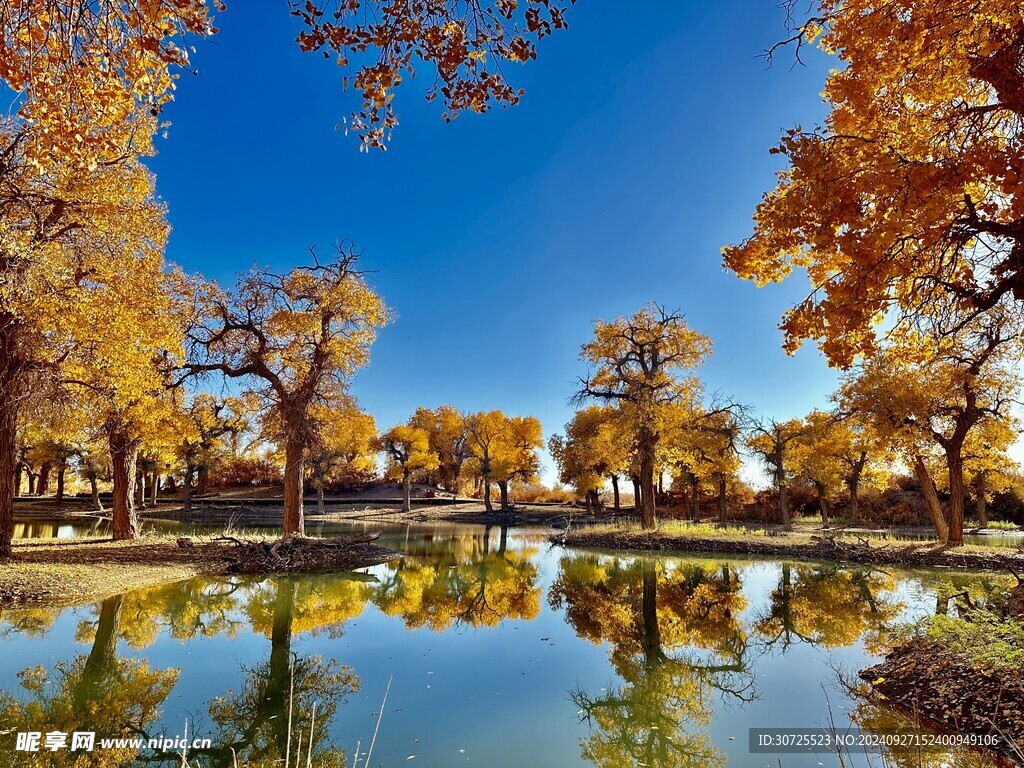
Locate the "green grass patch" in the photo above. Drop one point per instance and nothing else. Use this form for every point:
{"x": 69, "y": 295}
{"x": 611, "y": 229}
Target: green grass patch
{"x": 986, "y": 639}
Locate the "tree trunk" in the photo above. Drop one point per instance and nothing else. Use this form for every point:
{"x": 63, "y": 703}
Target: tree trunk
{"x": 124, "y": 453}
{"x": 62, "y": 468}
{"x": 154, "y": 490}
{"x": 615, "y": 491}
{"x": 854, "y": 486}
{"x": 8, "y": 460}
{"x": 661, "y": 483}
{"x": 956, "y": 500}
{"x": 646, "y": 446}
{"x": 320, "y": 496}
{"x": 931, "y": 498}
{"x": 723, "y": 508}
{"x": 503, "y": 490}
{"x": 406, "y": 491}
{"x": 43, "y": 483}
{"x": 487, "y": 496}
{"x": 202, "y": 480}
{"x": 649, "y": 603}
{"x": 787, "y": 521}
{"x": 95, "y": 491}
{"x": 101, "y": 661}
{"x": 186, "y": 486}
{"x": 17, "y": 477}
{"x": 140, "y": 488}
{"x": 294, "y": 468}
{"x": 695, "y": 498}
{"x": 636, "y": 492}
{"x": 823, "y": 505}
{"x": 32, "y": 482}
{"x": 980, "y": 503}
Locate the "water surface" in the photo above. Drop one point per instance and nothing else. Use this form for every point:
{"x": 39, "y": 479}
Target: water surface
{"x": 501, "y": 651}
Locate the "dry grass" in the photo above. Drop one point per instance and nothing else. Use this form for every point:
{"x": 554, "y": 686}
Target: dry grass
{"x": 69, "y": 572}
{"x": 73, "y": 571}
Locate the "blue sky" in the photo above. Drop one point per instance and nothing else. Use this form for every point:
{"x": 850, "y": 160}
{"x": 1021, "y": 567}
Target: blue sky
{"x": 639, "y": 150}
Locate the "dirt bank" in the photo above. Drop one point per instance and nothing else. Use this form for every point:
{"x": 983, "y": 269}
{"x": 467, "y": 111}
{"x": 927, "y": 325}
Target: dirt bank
{"x": 810, "y": 548}
{"x": 71, "y": 572}
{"x": 923, "y": 679}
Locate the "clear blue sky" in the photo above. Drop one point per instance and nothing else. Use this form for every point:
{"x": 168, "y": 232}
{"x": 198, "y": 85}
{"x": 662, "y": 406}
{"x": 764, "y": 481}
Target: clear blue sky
{"x": 639, "y": 150}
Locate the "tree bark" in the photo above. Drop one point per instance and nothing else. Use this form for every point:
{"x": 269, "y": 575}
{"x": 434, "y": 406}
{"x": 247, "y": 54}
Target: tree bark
{"x": 636, "y": 492}
{"x": 695, "y": 498}
{"x": 8, "y": 460}
{"x": 202, "y": 480}
{"x": 140, "y": 488}
{"x": 787, "y": 521}
{"x": 406, "y": 491}
{"x": 503, "y": 491}
{"x": 17, "y": 477}
{"x": 931, "y": 498}
{"x": 186, "y": 487}
{"x": 854, "y": 485}
{"x": 956, "y": 500}
{"x": 487, "y": 496}
{"x": 43, "y": 483}
{"x": 154, "y": 490}
{"x": 124, "y": 453}
{"x": 615, "y": 491}
{"x": 294, "y": 468}
{"x": 95, "y": 491}
{"x": 62, "y": 468}
{"x": 980, "y": 502}
{"x": 723, "y": 508}
{"x": 320, "y": 496}
{"x": 647, "y": 444}
{"x": 823, "y": 505}
{"x": 32, "y": 482}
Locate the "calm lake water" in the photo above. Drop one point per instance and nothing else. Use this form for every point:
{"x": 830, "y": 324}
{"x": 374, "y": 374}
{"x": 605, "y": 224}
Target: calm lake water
{"x": 502, "y": 652}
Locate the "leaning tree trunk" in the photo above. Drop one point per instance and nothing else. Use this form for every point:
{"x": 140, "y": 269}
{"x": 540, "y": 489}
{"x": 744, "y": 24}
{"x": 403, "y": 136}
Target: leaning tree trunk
{"x": 503, "y": 491}
{"x": 406, "y": 491}
{"x": 823, "y": 505}
{"x": 956, "y": 500}
{"x": 8, "y": 460}
{"x": 931, "y": 497}
{"x": 723, "y": 508}
{"x": 95, "y": 492}
{"x": 980, "y": 503}
{"x": 615, "y": 492}
{"x": 124, "y": 454}
{"x": 646, "y": 447}
{"x": 294, "y": 468}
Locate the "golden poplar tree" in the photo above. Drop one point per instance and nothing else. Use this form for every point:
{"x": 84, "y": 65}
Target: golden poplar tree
{"x": 298, "y": 338}
{"x": 645, "y": 362}
{"x": 912, "y": 191}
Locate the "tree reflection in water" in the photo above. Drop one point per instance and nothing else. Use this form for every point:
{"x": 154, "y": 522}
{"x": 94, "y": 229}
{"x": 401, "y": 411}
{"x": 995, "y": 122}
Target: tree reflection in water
{"x": 482, "y": 590}
{"x": 675, "y": 641}
{"x": 830, "y": 606}
{"x": 98, "y": 691}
